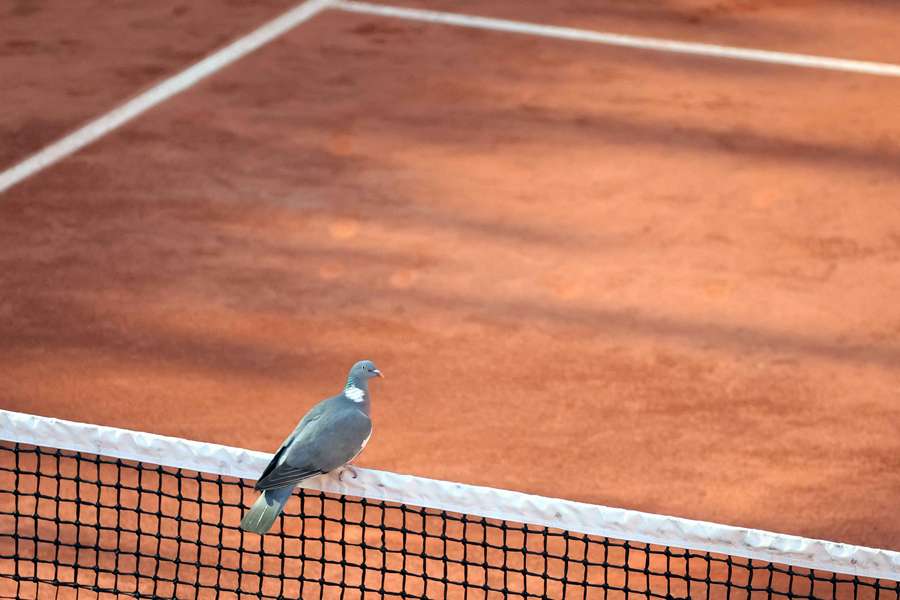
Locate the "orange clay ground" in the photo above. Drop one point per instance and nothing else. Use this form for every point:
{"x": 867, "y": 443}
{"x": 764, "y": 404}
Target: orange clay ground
{"x": 644, "y": 280}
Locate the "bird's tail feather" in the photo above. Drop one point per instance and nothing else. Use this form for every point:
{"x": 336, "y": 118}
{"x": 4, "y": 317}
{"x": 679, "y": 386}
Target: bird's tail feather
{"x": 265, "y": 510}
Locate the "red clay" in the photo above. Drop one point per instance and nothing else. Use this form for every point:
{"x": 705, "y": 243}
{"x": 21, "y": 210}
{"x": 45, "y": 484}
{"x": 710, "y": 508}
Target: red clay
{"x": 650, "y": 281}
{"x": 63, "y": 63}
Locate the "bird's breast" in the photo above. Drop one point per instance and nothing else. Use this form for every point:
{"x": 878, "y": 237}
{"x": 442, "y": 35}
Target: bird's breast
{"x": 361, "y": 448}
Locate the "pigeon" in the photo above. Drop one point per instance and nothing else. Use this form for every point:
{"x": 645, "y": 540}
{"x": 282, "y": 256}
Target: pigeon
{"x": 328, "y": 437}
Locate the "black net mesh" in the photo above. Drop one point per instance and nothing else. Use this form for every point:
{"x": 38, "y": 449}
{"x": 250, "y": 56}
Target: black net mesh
{"x": 76, "y": 525}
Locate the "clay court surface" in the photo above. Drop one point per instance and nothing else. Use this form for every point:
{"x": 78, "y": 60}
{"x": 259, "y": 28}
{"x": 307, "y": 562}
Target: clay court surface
{"x": 645, "y": 280}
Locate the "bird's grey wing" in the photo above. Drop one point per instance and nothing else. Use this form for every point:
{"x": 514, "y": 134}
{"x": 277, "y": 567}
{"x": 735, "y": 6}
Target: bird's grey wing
{"x": 271, "y": 479}
{"x": 310, "y": 417}
{"x": 326, "y": 444}
{"x": 285, "y": 475}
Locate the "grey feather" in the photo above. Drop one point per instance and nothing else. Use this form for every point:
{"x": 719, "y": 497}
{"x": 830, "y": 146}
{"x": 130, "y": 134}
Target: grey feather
{"x": 329, "y": 436}
{"x": 286, "y": 475}
{"x": 326, "y": 443}
{"x": 265, "y": 510}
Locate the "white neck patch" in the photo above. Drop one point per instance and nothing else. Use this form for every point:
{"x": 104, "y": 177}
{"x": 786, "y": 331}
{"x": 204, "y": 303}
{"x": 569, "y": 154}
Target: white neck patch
{"x": 354, "y": 393}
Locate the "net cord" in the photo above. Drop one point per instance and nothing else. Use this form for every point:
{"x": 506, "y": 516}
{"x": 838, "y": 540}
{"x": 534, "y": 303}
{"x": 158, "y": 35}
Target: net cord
{"x": 479, "y": 501}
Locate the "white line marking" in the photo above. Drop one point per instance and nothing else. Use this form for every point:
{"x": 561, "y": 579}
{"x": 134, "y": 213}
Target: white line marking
{"x": 628, "y": 41}
{"x": 161, "y": 92}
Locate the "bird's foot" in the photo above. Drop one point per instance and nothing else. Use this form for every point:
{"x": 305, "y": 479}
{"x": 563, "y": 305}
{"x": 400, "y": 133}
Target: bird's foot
{"x": 345, "y": 469}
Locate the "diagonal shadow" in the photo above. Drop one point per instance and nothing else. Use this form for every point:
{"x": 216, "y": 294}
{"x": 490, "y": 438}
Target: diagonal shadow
{"x": 534, "y": 122}
{"x": 615, "y": 321}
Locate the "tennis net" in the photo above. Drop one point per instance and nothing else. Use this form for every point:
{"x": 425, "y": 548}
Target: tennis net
{"x": 97, "y": 512}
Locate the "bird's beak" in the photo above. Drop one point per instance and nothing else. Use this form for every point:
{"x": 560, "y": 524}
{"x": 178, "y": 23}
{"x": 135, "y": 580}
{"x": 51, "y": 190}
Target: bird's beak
{"x": 377, "y": 372}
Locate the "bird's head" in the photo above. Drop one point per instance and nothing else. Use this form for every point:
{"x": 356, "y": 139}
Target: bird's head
{"x": 364, "y": 370}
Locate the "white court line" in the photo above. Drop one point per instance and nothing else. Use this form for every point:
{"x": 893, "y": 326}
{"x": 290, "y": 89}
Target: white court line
{"x": 303, "y": 12}
{"x": 161, "y": 92}
{"x": 628, "y": 41}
